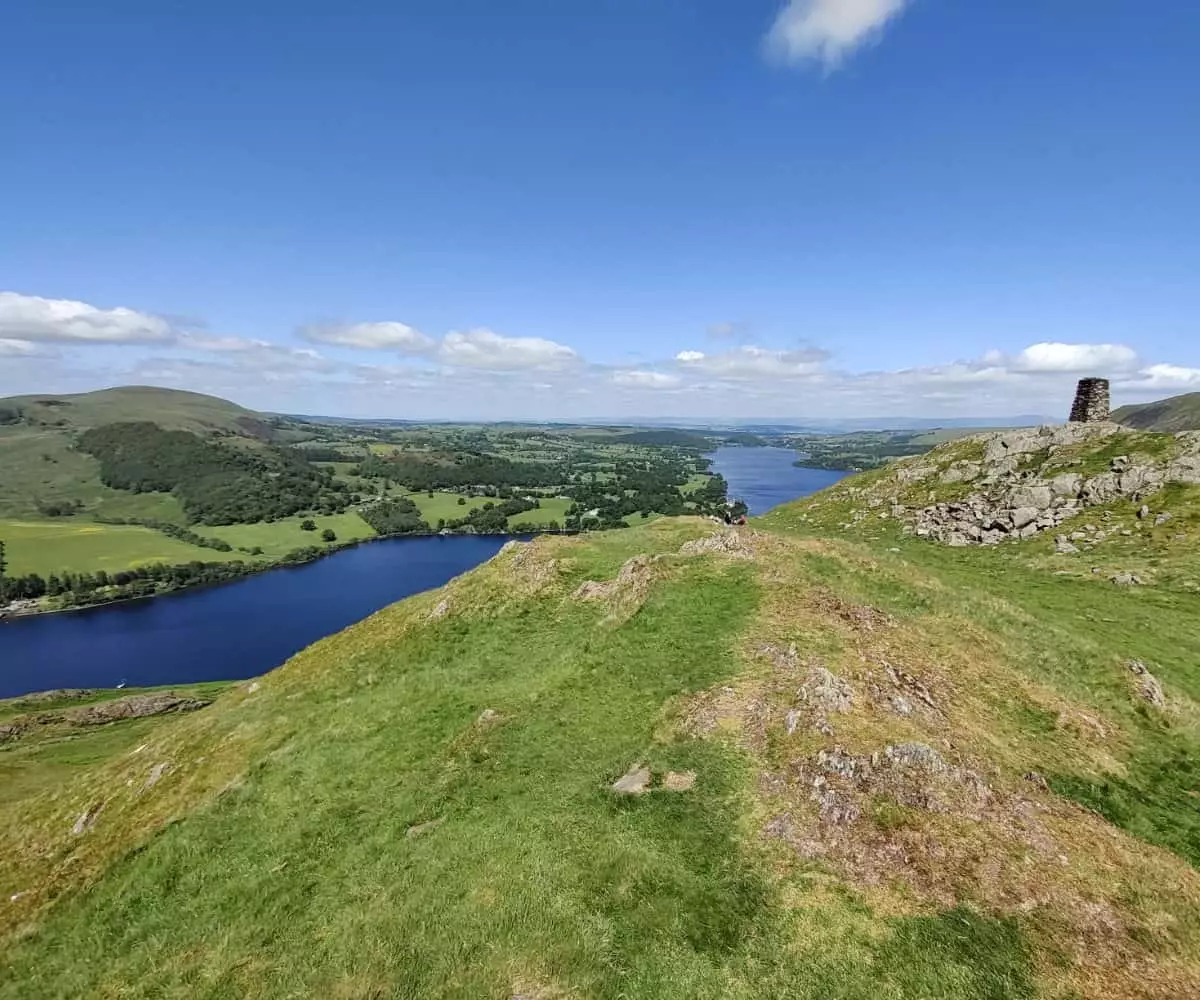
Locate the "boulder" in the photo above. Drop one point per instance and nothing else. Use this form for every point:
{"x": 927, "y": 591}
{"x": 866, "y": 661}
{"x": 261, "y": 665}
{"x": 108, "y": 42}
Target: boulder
{"x": 1126, "y": 579}
{"x": 1024, "y": 516}
{"x": 1066, "y": 485}
{"x": 635, "y": 781}
{"x": 1064, "y": 547}
{"x": 1037, "y": 497}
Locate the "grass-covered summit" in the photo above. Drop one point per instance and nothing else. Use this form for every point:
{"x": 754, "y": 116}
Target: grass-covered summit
{"x": 863, "y": 765}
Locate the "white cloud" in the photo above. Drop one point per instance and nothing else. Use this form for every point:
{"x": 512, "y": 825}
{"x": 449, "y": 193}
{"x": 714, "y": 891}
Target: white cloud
{"x": 1166, "y": 377}
{"x": 13, "y": 348}
{"x": 827, "y": 31}
{"x": 749, "y": 362}
{"x": 388, "y": 336}
{"x": 485, "y": 349}
{"x": 1055, "y": 357}
{"x": 640, "y": 379}
{"x": 32, "y": 318}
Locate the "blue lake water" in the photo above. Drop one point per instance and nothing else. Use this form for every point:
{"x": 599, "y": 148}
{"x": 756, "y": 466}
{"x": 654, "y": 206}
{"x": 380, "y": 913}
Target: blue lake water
{"x": 231, "y": 631}
{"x": 244, "y": 629}
{"x": 765, "y": 477}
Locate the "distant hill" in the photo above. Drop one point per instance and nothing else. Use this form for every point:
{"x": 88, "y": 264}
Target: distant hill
{"x": 43, "y": 470}
{"x": 172, "y": 409}
{"x": 1178, "y": 413}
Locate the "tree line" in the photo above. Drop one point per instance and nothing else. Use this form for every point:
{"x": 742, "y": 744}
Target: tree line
{"x": 465, "y": 470}
{"x": 215, "y": 483}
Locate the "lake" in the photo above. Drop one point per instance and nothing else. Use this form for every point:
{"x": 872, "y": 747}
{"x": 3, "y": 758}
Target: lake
{"x": 765, "y": 477}
{"x": 244, "y": 629}
{"x": 232, "y": 631}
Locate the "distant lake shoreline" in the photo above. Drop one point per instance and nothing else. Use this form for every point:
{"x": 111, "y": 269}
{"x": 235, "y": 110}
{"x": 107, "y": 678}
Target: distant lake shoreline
{"x": 767, "y": 477}
{"x": 248, "y": 626}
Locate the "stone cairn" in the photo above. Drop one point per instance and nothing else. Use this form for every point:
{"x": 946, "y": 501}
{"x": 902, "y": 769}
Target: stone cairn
{"x": 1091, "y": 402}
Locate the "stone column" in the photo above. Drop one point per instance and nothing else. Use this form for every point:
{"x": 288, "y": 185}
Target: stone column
{"x": 1091, "y": 401}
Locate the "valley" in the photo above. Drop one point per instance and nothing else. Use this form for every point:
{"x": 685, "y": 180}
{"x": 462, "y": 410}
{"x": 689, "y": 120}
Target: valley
{"x": 818, "y": 756}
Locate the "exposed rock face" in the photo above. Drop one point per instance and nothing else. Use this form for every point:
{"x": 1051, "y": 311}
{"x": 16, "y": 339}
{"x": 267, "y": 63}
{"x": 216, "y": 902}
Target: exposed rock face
{"x": 1148, "y": 686}
{"x": 1091, "y": 401}
{"x": 1012, "y": 502}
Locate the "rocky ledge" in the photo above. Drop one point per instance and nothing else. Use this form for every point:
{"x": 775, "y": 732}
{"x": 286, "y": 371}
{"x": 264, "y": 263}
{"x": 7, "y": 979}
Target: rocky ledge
{"x": 1015, "y": 501}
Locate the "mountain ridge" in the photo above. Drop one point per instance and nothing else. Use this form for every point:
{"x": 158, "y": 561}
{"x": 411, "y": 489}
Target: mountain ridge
{"x": 1176, "y": 413}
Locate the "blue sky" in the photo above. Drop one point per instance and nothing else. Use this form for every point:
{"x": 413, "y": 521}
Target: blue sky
{"x": 539, "y": 208}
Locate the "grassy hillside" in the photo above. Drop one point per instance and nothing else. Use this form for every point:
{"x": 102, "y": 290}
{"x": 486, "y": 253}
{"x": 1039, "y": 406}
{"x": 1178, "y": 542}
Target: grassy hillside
{"x": 1179, "y": 413}
{"x": 173, "y": 409}
{"x": 41, "y": 465}
{"x": 870, "y": 767}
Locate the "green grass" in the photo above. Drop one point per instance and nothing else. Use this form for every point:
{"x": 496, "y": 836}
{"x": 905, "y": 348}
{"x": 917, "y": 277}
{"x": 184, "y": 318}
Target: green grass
{"x": 39, "y": 465}
{"x": 549, "y": 509}
{"x": 49, "y": 755}
{"x": 353, "y": 830}
{"x": 170, "y": 408}
{"x": 444, "y": 506}
{"x": 303, "y": 879}
{"x": 280, "y": 537}
{"x": 1178, "y": 413}
{"x": 76, "y": 545}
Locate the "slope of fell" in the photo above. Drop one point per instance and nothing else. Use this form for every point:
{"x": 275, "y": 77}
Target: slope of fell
{"x": 173, "y": 409}
{"x": 1178, "y": 413}
{"x": 668, "y": 762}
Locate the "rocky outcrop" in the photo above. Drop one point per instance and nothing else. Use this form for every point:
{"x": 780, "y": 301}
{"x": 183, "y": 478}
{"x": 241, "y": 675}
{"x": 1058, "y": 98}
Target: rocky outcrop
{"x": 1022, "y": 492}
{"x": 1149, "y": 688}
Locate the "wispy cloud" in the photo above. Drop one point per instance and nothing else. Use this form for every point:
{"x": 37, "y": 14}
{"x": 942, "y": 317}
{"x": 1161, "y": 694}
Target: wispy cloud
{"x": 639, "y": 378}
{"x": 389, "y": 336}
{"x": 749, "y": 362}
{"x": 828, "y": 31}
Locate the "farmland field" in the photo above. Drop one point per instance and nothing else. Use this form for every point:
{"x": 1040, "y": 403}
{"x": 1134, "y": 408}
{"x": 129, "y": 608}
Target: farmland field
{"x": 47, "y": 547}
{"x": 278, "y": 538}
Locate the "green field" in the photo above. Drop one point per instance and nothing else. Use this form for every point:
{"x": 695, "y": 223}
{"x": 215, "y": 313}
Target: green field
{"x": 549, "y": 509}
{"x": 77, "y": 546}
{"x": 444, "y": 506}
{"x": 281, "y": 537}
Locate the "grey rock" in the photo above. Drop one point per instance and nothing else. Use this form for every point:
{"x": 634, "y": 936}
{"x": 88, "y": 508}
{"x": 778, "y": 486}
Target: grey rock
{"x": 838, "y": 761}
{"x": 1148, "y": 685}
{"x": 915, "y": 755}
{"x": 1143, "y": 512}
{"x": 1023, "y": 516}
{"x": 156, "y": 774}
{"x": 87, "y": 819}
{"x": 1064, "y": 547}
{"x": 635, "y": 781}
{"x": 962, "y": 472}
{"x": 1162, "y": 519}
{"x": 1037, "y": 497}
{"x": 1126, "y": 579}
{"x": 1066, "y": 485}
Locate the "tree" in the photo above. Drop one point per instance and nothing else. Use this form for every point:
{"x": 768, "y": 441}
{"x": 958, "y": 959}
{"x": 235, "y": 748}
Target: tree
{"x": 462, "y": 501}
{"x": 308, "y": 525}
{"x": 328, "y": 535}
